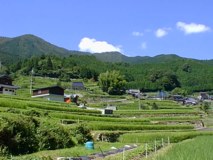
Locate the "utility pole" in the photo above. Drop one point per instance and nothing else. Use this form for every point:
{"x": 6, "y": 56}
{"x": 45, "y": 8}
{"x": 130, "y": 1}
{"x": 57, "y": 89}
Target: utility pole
{"x": 139, "y": 103}
{"x": 31, "y": 81}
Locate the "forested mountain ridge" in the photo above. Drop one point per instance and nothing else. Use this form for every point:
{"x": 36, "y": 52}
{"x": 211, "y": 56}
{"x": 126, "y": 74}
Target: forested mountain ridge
{"x": 26, "y": 46}
{"x": 185, "y": 73}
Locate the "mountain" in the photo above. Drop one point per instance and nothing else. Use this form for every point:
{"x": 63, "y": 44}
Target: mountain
{"x": 118, "y": 57}
{"x": 7, "y": 57}
{"x": 26, "y": 46}
{"x": 4, "y": 39}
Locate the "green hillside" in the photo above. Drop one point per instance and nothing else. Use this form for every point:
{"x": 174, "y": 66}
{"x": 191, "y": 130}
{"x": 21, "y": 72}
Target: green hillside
{"x": 4, "y": 39}
{"x": 28, "y": 45}
{"x": 185, "y": 73}
{"x": 39, "y": 128}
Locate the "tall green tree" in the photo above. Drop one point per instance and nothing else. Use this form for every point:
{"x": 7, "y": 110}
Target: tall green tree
{"x": 112, "y": 82}
{"x": 49, "y": 64}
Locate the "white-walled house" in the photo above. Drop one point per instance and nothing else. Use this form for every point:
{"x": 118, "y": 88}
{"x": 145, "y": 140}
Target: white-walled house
{"x": 53, "y": 93}
{"x": 6, "y": 86}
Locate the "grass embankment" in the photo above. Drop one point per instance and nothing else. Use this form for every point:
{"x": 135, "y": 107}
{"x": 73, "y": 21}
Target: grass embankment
{"x": 74, "y": 151}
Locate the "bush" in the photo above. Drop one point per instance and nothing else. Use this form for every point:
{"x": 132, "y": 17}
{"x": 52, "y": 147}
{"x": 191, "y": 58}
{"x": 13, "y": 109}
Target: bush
{"x": 53, "y": 136}
{"x": 12, "y": 110}
{"x": 82, "y": 133}
{"x": 18, "y": 135}
{"x": 24, "y": 135}
{"x": 32, "y": 113}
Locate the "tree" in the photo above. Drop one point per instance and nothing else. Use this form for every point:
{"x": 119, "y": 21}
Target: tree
{"x": 180, "y": 91}
{"x": 112, "y": 82}
{"x": 206, "y": 107}
{"x": 49, "y": 64}
{"x": 154, "y": 106}
{"x": 64, "y": 77}
{"x": 186, "y": 68}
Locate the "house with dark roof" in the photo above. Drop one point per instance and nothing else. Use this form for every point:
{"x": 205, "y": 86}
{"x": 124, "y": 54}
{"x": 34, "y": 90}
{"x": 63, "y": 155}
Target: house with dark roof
{"x": 203, "y": 95}
{"x": 6, "y": 86}
{"x": 78, "y": 86}
{"x": 53, "y": 93}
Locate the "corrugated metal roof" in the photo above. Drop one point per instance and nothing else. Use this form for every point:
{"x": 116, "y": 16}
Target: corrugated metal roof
{"x": 77, "y": 84}
{"x": 4, "y": 75}
{"x": 49, "y": 87}
{"x": 9, "y": 86}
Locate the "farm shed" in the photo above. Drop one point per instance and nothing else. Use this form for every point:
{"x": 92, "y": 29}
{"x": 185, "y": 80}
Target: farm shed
{"x": 53, "y": 93}
{"x": 78, "y": 86}
{"x": 106, "y": 111}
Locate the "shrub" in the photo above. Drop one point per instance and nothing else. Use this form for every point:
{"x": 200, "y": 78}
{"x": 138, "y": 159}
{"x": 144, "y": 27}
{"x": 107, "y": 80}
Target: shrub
{"x": 53, "y": 136}
{"x": 18, "y": 135}
{"x": 82, "y": 133}
{"x": 24, "y": 135}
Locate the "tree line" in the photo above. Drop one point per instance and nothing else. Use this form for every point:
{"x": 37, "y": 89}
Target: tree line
{"x": 187, "y": 74}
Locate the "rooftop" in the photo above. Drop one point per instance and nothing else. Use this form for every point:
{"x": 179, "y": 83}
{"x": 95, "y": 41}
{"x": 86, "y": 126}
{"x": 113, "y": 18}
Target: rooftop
{"x": 77, "y": 84}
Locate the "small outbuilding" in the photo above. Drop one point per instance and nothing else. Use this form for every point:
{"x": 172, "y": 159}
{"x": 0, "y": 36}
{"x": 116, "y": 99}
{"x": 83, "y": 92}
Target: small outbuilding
{"x": 162, "y": 94}
{"x": 106, "y": 111}
{"x": 78, "y": 86}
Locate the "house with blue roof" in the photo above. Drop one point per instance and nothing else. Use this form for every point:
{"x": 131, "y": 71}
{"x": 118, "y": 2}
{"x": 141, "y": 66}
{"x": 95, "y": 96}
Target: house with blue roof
{"x": 78, "y": 86}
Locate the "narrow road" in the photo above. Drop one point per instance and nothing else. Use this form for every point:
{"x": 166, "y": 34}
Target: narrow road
{"x": 99, "y": 156}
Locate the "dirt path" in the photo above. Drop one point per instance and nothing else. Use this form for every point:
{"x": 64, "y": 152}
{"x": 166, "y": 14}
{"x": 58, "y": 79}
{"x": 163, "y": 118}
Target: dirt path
{"x": 205, "y": 129}
{"x": 99, "y": 156}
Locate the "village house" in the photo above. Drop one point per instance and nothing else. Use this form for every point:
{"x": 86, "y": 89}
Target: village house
{"x": 133, "y": 91}
{"x": 78, "y": 86}
{"x": 190, "y": 101}
{"x": 175, "y": 97}
{"x": 53, "y": 93}
{"x": 6, "y": 86}
{"x": 203, "y": 95}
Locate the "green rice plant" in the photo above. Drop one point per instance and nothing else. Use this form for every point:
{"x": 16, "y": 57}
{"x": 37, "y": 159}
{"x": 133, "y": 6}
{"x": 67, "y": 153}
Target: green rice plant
{"x": 93, "y": 118}
{"x": 186, "y": 118}
{"x": 47, "y": 107}
{"x": 196, "y": 149}
{"x": 171, "y": 107}
{"x": 12, "y": 104}
{"x": 173, "y": 136}
{"x": 154, "y": 112}
{"x": 98, "y": 126}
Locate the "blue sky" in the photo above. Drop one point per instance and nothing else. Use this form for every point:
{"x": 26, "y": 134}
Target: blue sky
{"x": 135, "y": 28}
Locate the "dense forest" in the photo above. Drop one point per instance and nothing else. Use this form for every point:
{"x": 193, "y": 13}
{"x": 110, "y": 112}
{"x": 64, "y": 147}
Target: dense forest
{"x": 187, "y": 74}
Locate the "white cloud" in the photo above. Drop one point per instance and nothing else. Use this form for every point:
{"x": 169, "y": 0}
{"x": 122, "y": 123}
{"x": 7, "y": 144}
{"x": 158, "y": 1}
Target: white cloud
{"x": 143, "y": 45}
{"x": 137, "y": 34}
{"x": 161, "y": 32}
{"x": 94, "y": 46}
{"x": 192, "y": 27}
